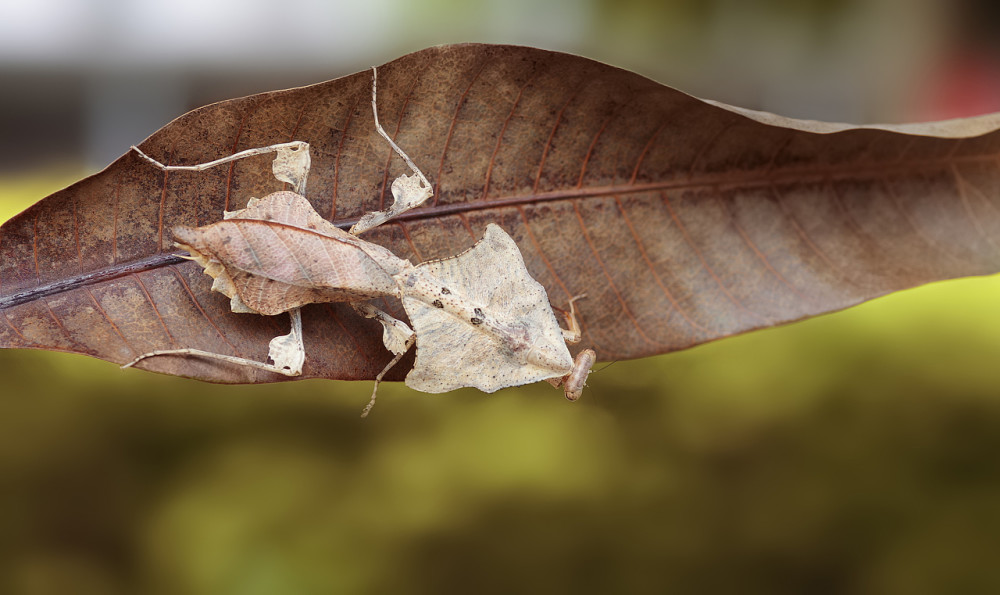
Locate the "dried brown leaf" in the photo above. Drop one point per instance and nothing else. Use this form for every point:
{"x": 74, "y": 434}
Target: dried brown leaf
{"x": 683, "y": 221}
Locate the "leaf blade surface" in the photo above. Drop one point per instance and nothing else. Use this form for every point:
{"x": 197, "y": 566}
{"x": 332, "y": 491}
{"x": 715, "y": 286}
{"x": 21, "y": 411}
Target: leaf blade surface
{"x": 682, "y": 221}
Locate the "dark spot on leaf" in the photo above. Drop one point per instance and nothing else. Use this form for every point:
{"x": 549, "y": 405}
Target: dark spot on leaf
{"x": 445, "y": 291}
{"x": 437, "y": 304}
{"x": 479, "y": 313}
{"x": 476, "y": 321}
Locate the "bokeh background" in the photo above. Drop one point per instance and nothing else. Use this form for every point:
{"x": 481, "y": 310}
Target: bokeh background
{"x": 851, "y": 453}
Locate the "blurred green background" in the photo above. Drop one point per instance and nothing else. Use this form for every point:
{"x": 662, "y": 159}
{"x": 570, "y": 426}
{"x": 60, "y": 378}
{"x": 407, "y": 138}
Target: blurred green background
{"x": 850, "y": 453}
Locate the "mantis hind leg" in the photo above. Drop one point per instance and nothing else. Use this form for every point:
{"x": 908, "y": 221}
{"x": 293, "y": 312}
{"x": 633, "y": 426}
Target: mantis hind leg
{"x": 291, "y": 165}
{"x": 291, "y": 162}
{"x": 288, "y": 352}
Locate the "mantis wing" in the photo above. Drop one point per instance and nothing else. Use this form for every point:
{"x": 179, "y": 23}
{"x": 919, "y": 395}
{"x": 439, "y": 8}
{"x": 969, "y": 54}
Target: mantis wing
{"x": 278, "y": 254}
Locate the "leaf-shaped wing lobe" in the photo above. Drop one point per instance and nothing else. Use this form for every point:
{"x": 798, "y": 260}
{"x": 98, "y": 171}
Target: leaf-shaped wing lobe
{"x": 278, "y": 254}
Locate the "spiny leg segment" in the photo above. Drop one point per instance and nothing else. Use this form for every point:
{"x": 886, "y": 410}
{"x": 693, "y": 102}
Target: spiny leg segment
{"x": 574, "y": 333}
{"x": 574, "y": 382}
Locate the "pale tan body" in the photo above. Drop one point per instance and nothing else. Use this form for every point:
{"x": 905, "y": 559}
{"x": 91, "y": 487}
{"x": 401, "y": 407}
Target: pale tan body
{"x": 479, "y": 319}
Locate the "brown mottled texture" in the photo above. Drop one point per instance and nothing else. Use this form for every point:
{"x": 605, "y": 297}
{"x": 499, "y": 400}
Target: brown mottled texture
{"x": 682, "y": 221}
{"x": 278, "y": 254}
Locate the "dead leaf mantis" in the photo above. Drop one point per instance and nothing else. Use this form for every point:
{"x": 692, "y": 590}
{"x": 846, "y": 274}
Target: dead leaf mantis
{"x": 479, "y": 319}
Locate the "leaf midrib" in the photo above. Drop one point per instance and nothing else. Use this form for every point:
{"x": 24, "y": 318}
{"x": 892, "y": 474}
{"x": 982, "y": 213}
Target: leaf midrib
{"x": 743, "y": 179}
